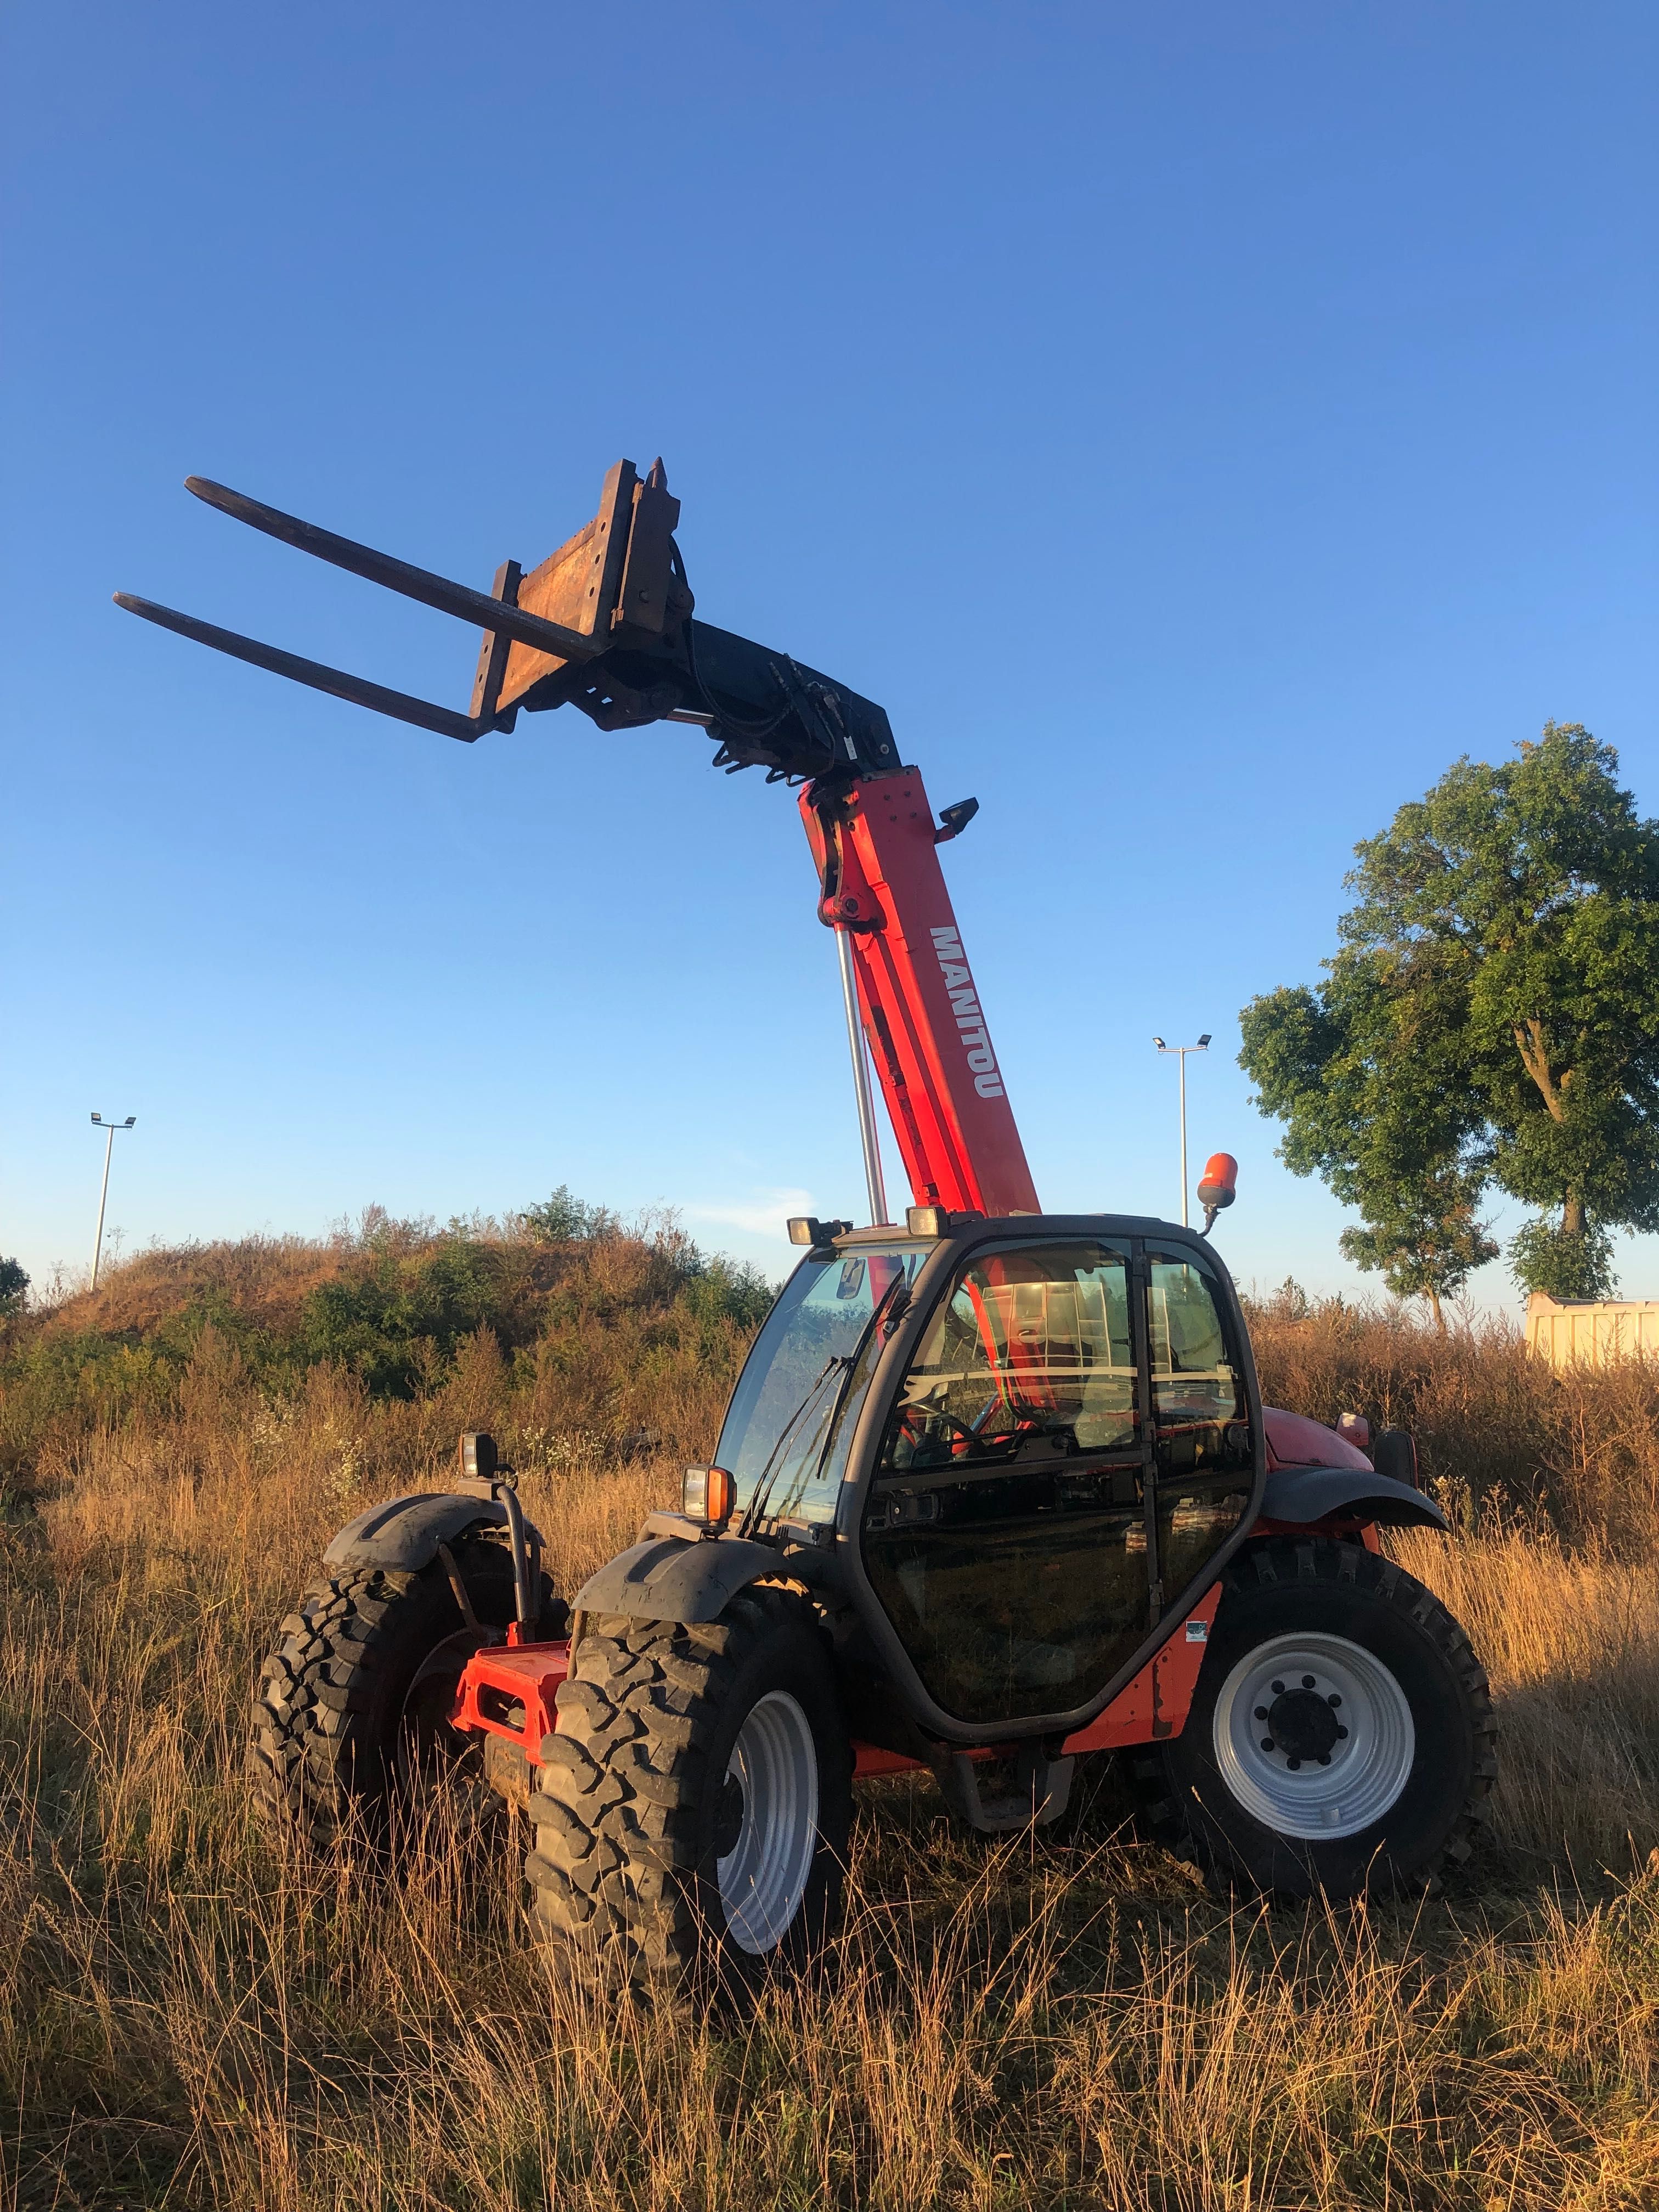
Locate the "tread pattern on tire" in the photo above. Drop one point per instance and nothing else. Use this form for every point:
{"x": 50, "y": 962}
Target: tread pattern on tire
{"x": 1162, "y": 1814}
{"x": 313, "y": 1756}
{"x": 616, "y": 1805}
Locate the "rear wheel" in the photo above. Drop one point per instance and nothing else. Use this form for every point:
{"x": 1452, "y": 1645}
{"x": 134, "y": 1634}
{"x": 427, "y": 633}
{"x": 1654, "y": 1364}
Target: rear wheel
{"x": 1341, "y": 1735}
{"x": 351, "y": 1712}
{"x": 693, "y": 1812}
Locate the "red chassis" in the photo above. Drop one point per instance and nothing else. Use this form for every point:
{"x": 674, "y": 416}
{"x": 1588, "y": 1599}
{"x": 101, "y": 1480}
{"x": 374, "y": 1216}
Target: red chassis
{"x": 509, "y": 1691}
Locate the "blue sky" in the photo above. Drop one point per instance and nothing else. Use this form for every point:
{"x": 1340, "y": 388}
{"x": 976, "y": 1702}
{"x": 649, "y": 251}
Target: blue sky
{"x": 1196, "y": 425}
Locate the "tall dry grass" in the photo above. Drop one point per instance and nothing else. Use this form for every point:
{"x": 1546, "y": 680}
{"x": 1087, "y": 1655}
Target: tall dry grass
{"x": 192, "y": 2013}
{"x": 1497, "y": 1429}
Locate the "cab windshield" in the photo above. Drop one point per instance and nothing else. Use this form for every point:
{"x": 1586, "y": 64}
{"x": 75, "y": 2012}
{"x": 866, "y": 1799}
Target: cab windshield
{"x": 792, "y": 1416}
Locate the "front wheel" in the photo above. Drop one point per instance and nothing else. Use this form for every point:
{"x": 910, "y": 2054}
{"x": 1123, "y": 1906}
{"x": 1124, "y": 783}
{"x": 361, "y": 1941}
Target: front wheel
{"x": 1341, "y": 1734}
{"x": 692, "y": 1814}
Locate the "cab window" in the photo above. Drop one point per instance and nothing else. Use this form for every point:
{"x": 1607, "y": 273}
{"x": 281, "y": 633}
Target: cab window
{"x": 1031, "y": 1347}
{"x": 792, "y": 1416}
{"x": 1200, "y": 1415}
{"x": 1201, "y": 1439}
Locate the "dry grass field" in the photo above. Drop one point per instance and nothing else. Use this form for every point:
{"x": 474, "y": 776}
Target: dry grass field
{"x": 193, "y": 2013}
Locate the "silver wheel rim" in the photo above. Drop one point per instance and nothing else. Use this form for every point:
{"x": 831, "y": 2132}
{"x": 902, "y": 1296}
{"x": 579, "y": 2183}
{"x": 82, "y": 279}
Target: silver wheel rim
{"x": 1285, "y": 1764}
{"x": 763, "y": 1877}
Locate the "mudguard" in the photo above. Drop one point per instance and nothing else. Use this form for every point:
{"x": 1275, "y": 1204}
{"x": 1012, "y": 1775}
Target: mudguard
{"x": 667, "y": 1579}
{"x": 405, "y": 1533}
{"x": 1300, "y": 1494}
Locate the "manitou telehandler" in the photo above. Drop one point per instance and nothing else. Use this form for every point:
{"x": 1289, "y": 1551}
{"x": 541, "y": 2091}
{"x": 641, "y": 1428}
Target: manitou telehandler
{"x": 995, "y": 1488}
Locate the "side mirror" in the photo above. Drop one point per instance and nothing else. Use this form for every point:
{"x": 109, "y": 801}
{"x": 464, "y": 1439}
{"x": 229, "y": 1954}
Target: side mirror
{"x": 1218, "y": 1187}
{"x": 1395, "y": 1456}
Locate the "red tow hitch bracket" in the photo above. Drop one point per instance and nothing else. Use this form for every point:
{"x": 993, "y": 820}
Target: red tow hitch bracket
{"x": 507, "y": 1690}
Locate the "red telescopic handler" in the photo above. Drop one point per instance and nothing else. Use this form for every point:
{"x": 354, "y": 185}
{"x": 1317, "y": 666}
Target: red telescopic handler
{"x": 995, "y": 1490}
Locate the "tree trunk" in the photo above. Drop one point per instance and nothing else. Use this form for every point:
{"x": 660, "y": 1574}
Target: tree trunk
{"x": 1572, "y": 1215}
{"x": 1433, "y": 1297}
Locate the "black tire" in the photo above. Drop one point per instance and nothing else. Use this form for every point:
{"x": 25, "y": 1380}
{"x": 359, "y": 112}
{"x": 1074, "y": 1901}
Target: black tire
{"x": 1290, "y": 1589}
{"x": 350, "y": 1713}
{"x": 634, "y": 1811}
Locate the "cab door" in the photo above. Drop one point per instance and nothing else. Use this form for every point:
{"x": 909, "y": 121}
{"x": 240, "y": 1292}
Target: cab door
{"x": 1005, "y": 1529}
{"x": 1070, "y": 1448}
{"x": 1203, "y": 1444}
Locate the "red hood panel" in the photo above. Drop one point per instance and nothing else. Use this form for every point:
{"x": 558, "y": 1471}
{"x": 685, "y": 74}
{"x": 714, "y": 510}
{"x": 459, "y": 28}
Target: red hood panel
{"x": 1295, "y": 1441}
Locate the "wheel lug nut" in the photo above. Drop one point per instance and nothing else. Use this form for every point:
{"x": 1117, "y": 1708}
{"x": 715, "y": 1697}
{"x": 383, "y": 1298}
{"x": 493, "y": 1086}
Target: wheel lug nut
{"x": 1333, "y": 1699}
{"x": 1342, "y": 1731}
{"x": 1261, "y": 1712}
{"x": 1279, "y": 1689}
{"x": 1266, "y": 1743}
{"x": 1295, "y": 1765}
{"x": 1306, "y": 1681}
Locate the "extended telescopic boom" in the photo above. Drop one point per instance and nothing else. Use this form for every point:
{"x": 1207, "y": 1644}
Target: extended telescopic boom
{"x": 606, "y": 624}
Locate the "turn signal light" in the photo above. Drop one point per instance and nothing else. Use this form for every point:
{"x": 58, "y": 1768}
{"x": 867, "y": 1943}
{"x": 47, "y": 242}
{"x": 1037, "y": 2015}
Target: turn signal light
{"x": 707, "y": 1494}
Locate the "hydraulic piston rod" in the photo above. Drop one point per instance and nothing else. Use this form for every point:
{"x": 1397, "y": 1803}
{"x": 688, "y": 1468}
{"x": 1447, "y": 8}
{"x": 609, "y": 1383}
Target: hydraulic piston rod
{"x": 867, "y": 1135}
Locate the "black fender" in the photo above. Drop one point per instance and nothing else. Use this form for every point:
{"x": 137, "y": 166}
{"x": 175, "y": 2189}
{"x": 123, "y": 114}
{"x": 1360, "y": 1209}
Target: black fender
{"x": 405, "y": 1533}
{"x": 1300, "y": 1494}
{"x": 670, "y": 1578}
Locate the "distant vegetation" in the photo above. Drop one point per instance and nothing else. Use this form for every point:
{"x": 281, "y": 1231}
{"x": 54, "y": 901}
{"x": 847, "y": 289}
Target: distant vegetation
{"x": 590, "y": 1329}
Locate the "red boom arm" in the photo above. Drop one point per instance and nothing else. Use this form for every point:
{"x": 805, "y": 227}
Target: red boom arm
{"x": 876, "y": 850}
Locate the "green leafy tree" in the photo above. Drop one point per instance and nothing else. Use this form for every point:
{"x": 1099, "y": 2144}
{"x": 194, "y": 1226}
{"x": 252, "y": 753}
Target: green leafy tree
{"x": 566, "y": 1219}
{"x": 1492, "y": 1018}
{"x": 1363, "y": 1071}
{"x": 1563, "y": 1262}
{"x": 14, "y": 1286}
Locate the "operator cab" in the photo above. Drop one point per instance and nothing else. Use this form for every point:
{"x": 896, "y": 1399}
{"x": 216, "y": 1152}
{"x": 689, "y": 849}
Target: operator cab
{"x": 1026, "y": 1440}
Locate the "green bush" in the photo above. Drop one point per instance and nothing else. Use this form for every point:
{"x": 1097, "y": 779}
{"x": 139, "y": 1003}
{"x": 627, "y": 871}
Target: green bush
{"x": 565, "y": 1219}
{"x": 727, "y": 1290}
{"x": 391, "y": 1322}
{"x": 593, "y": 1324}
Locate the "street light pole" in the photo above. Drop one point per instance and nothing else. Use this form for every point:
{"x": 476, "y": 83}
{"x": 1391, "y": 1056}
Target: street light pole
{"x": 103, "y": 1194}
{"x": 1181, "y": 1052}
